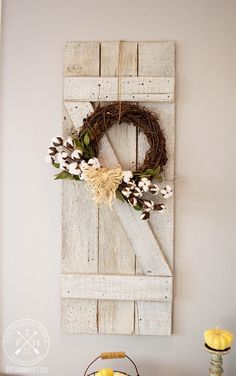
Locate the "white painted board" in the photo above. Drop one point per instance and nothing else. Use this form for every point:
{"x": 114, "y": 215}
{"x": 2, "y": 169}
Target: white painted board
{"x": 117, "y": 244}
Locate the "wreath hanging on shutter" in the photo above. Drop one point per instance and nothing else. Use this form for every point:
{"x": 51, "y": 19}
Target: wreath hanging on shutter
{"x": 77, "y": 157}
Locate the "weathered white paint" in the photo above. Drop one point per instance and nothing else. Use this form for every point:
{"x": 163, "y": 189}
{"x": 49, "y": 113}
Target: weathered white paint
{"x": 79, "y": 251}
{"x": 116, "y": 255}
{"x": 79, "y": 316}
{"x": 121, "y": 232}
{"x": 138, "y": 232}
{"x": 153, "y": 318}
{"x": 116, "y": 287}
{"x": 163, "y": 225}
{"x": 78, "y": 111}
{"x": 81, "y": 59}
{"x": 95, "y": 89}
{"x": 158, "y": 59}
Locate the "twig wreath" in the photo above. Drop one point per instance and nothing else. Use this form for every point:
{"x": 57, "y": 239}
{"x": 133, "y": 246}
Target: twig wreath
{"x": 77, "y": 156}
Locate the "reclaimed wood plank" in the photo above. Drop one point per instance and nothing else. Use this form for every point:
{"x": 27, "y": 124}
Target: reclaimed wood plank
{"x": 158, "y": 59}
{"x": 78, "y": 111}
{"x": 79, "y": 316}
{"x": 81, "y": 59}
{"x": 138, "y": 232}
{"x": 116, "y": 287}
{"x": 162, "y": 224}
{"x": 105, "y": 89}
{"x": 115, "y": 251}
{"x": 79, "y": 226}
{"x": 147, "y": 323}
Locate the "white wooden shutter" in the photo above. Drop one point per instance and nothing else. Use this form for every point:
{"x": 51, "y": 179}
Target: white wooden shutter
{"x": 117, "y": 269}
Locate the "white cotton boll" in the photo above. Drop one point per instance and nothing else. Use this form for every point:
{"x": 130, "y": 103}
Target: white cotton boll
{"x": 160, "y": 208}
{"x": 91, "y": 161}
{"x": 126, "y": 192}
{"x": 145, "y": 215}
{"x": 60, "y": 158}
{"x": 149, "y": 204}
{"x": 64, "y": 165}
{"x": 145, "y": 188}
{"x": 64, "y": 155}
{"x": 69, "y": 143}
{"x": 82, "y": 176}
{"x": 167, "y": 192}
{"x": 154, "y": 189}
{"x": 52, "y": 151}
{"x": 74, "y": 169}
{"x": 131, "y": 185}
{"x": 83, "y": 165}
{"x": 49, "y": 159}
{"x": 94, "y": 162}
{"x": 97, "y": 166}
{"x": 132, "y": 201}
{"x": 137, "y": 192}
{"x": 144, "y": 184}
{"x": 57, "y": 141}
{"x": 76, "y": 154}
{"x": 127, "y": 176}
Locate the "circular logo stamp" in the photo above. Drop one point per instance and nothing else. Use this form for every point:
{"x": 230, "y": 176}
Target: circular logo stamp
{"x": 26, "y": 342}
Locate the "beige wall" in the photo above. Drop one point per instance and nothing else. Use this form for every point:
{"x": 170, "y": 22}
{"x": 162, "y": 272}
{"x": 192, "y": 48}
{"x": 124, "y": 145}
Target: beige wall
{"x": 34, "y": 32}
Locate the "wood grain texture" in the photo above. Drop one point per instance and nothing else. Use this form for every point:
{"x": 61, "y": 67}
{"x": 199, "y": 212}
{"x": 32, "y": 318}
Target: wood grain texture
{"x": 79, "y": 316}
{"x": 115, "y": 251}
{"x": 93, "y": 89}
{"x": 144, "y": 244}
{"x": 162, "y": 224}
{"x": 148, "y": 323}
{"x": 81, "y": 59}
{"x": 116, "y": 287}
{"x": 158, "y": 59}
{"x": 121, "y": 233}
{"x": 78, "y": 111}
{"x": 110, "y": 59}
{"x": 79, "y": 226}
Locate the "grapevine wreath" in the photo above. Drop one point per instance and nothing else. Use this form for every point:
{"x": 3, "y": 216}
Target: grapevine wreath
{"x": 77, "y": 157}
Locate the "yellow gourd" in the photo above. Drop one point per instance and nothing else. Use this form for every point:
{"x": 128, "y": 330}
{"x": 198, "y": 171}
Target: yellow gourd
{"x": 105, "y": 372}
{"x": 218, "y": 339}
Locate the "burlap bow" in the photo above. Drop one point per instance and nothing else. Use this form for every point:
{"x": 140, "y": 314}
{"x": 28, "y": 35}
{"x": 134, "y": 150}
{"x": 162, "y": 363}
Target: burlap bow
{"x": 103, "y": 183}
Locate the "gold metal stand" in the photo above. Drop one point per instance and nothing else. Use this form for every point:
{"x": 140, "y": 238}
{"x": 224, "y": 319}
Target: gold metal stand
{"x": 216, "y": 361}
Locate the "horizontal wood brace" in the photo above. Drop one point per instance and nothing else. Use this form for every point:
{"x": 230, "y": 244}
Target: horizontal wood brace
{"x": 93, "y": 89}
{"x": 116, "y": 287}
